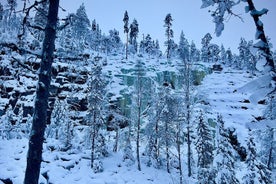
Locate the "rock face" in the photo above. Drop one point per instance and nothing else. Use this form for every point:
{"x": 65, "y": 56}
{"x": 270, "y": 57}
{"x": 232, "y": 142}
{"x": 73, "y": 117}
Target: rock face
{"x": 18, "y": 87}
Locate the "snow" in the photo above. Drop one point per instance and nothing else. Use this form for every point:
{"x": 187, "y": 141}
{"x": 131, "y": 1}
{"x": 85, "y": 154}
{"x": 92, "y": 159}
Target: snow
{"x": 74, "y": 167}
{"x": 227, "y": 92}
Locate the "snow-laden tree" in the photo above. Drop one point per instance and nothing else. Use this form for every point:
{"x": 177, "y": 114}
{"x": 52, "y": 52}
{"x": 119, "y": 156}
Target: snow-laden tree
{"x": 169, "y": 34}
{"x": 61, "y": 127}
{"x": 213, "y": 53}
{"x": 95, "y": 117}
{"x": 126, "y": 30}
{"x": 194, "y": 53}
{"x": 257, "y": 172}
{"x": 224, "y": 159}
{"x": 1, "y": 11}
{"x": 222, "y": 54}
{"x": 40, "y": 20}
{"x": 133, "y": 34}
{"x": 138, "y": 108}
{"x": 204, "y": 147}
{"x": 167, "y": 128}
{"x": 184, "y": 48}
{"x": 205, "y": 42}
{"x": 228, "y": 57}
{"x": 80, "y": 28}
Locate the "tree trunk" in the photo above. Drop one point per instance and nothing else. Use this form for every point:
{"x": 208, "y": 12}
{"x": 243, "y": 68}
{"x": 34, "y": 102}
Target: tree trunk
{"x": 138, "y": 124}
{"x": 179, "y": 152}
{"x": 262, "y": 37}
{"x": 34, "y": 156}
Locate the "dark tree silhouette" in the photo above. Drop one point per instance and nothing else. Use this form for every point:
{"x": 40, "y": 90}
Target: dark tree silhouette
{"x": 34, "y": 156}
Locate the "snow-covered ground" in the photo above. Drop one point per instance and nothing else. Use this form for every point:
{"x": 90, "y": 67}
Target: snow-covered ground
{"x": 222, "y": 91}
{"x": 74, "y": 168}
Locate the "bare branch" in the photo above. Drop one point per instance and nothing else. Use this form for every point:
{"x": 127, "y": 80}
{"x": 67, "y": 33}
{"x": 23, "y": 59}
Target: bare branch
{"x": 22, "y": 64}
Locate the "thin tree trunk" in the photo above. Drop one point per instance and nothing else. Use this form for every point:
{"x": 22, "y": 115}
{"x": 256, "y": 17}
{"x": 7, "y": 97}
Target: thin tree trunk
{"x": 167, "y": 147}
{"x": 179, "y": 152}
{"x": 126, "y": 45}
{"x": 93, "y": 140}
{"x": 138, "y": 122}
{"x": 34, "y": 156}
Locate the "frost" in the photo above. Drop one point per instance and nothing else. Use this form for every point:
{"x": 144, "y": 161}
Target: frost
{"x": 42, "y": 85}
{"x": 260, "y": 23}
{"x": 260, "y": 44}
{"x": 207, "y": 3}
{"x": 246, "y": 9}
{"x": 259, "y": 13}
{"x": 258, "y": 34}
{"x": 218, "y": 20}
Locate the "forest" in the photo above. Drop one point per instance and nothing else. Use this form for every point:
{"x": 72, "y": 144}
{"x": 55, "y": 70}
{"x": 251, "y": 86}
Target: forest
{"x": 78, "y": 105}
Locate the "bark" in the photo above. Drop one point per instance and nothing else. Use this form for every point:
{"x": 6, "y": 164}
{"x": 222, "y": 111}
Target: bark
{"x": 262, "y": 37}
{"x": 34, "y": 156}
{"x": 139, "y": 100}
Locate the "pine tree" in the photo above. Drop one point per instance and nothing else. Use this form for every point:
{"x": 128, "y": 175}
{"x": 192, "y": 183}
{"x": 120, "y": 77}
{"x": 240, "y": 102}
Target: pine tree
{"x": 229, "y": 57}
{"x": 205, "y": 42}
{"x": 204, "y": 147}
{"x": 80, "y": 28}
{"x": 256, "y": 171}
{"x": 222, "y": 54}
{"x": 126, "y": 30}
{"x": 184, "y": 48}
{"x": 1, "y": 12}
{"x": 169, "y": 33}
{"x": 95, "y": 117}
{"x": 11, "y": 5}
{"x": 194, "y": 53}
{"x": 34, "y": 156}
{"x": 134, "y": 30}
{"x": 224, "y": 160}
{"x": 40, "y": 20}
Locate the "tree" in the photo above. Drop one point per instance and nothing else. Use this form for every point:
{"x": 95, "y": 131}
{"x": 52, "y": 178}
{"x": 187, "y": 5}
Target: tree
{"x": 34, "y": 156}
{"x": 204, "y": 147}
{"x": 184, "y": 48}
{"x": 224, "y": 160}
{"x": 1, "y": 11}
{"x": 12, "y": 5}
{"x": 40, "y": 20}
{"x": 80, "y": 28}
{"x": 138, "y": 109}
{"x": 134, "y": 30}
{"x": 126, "y": 30}
{"x": 228, "y": 57}
{"x": 95, "y": 117}
{"x": 169, "y": 33}
{"x": 205, "y": 42}
{"x": 257, "y": 172}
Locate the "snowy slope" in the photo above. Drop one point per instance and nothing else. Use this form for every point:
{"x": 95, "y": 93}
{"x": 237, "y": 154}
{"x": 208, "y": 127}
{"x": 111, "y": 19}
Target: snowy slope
{"x": 221, "y": 91}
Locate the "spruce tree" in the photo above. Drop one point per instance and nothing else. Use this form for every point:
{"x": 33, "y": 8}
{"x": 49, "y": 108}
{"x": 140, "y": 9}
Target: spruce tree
{"x": 204, "y": 147}
{"x": 257, "y": 172}
{"x": 169, "y": 34}
{"x": 95, "y": 116}
{"x": 134, "y": 30}
{"x": 126, "y": 30}
{"x": 224, "y": 160}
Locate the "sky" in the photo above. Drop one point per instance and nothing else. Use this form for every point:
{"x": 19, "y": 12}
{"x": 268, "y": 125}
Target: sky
{"x": 187, "y": 15}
